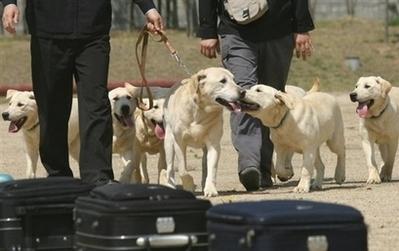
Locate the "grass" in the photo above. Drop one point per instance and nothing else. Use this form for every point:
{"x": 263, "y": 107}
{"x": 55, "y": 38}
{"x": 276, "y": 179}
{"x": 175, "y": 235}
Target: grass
{"x": 333, "y": 42}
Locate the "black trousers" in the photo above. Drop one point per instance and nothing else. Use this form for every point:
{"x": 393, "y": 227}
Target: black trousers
{"x": 55, "y": 62}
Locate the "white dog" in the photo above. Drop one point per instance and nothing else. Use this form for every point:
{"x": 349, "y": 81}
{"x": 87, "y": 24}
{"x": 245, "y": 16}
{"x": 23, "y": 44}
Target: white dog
{"x": 193, "y": 117}
{"x": 123, "y": 106}
{"x": 300, "y": 124}
{"x": 150, "y": 134}
{"x": 124, "y": 102}
{"x": 22, "y": 114}
{"x": 378, "y": 109}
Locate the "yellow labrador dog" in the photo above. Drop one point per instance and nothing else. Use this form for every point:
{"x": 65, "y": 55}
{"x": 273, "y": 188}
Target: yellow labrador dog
{"x": 193, "y": 117}
{"x": 378, "y": 109}
{"x": 150, "y": 134}
{"x": 300, "y": 124}
{"x": 22, "y": 114}
{"x": 125, "y": 143}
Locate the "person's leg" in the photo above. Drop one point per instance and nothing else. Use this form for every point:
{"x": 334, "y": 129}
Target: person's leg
{"x": 95, "y": 121}
{"x": 52, "y": 86}
{"x": 240, "y": 57}
{"x": 274, "y": 64}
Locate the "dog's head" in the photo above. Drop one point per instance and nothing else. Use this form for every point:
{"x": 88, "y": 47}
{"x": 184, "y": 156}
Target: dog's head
{"x": 266, "y": 103}
{"x": 371, "y": 94}
{"x": 217, "y": 85}
{"x": 154, "y": 117}
{"x": 21, "y": 111}
{"x": 123, "y": 105}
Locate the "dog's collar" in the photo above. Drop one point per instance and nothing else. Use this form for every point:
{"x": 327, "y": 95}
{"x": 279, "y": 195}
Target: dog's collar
{"x": 281, "y": 121}
{"x": 379, "y": 115}
{"x": 33, "y": 127}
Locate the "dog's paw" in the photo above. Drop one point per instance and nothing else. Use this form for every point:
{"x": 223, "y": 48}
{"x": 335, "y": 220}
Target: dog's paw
{"x": 374, "y": 179}
{"x": 124, "y": 180}
{"x": 339, "y": 178}
{"x": 303, "y": 186}
{"x": 188, "y": 182}
{"x": 302, "y": 189}
{"x": 165, "y": 181}
{"x": 385, "y": 176}
{"x": 210, "y": 190}
{"x": 317, "y": 186}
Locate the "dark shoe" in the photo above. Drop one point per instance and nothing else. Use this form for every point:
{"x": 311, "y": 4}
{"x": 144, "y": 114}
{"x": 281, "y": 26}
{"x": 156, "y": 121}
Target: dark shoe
{"x": 266, "y": 183}
{"x": 249, "y": 178}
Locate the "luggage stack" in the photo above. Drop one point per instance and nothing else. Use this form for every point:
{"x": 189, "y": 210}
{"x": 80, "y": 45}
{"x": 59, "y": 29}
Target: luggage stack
{"x": 37, "y": 214}
{"x": 286, "y": 225}
{"x": 140, "y": 217}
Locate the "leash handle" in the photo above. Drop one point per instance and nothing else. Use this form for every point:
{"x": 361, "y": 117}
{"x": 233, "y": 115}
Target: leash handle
{"x": 142, "y": 41}
{"x": 141, "y": 61}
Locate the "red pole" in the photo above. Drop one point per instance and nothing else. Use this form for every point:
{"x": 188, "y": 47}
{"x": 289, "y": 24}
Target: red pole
{"x": 111, "y": 85}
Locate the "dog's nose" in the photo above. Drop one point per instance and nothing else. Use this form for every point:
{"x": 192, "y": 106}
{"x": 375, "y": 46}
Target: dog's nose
{"x": 125, "y": 110}
{"x": 353, "y": 96}
{"x": 242, "y": 93}
{"x": 5, "y": 115}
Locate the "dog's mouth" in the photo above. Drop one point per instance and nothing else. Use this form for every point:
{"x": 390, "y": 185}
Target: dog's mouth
{"x": 248, "y": 106}
{"x": 125, "y": 120}
{"x": 16, "y": 125}
{"x": 363, "y": 108}
{"x": 231, "y": 106}
{"x": 159, "y": 129}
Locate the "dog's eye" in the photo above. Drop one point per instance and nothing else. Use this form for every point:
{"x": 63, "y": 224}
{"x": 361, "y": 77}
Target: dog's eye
{"x": 155, "y": 106}
{"x": 258, "y": 90}
{"x": 223, "y": 81}
{"x": 129, "y": 97}
{"x": 116, "y": 99}
{"x": 367, "y": 86}
{"x": 20, "y": 104}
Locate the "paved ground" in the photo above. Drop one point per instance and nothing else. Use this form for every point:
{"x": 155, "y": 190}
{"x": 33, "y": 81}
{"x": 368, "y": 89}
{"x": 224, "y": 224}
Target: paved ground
{"x": 378, "y": 203}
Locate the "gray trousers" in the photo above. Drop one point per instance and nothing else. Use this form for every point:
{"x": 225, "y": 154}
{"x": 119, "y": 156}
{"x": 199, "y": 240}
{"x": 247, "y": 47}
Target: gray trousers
{"x": 252, "y": 63}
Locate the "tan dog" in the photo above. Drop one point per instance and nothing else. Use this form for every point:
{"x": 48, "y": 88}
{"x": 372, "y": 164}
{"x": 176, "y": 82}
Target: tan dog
{"x": 378, "y": 109}
{"x": 150, "y": 134}
{"x": 123, "y": 106}
{"x": 300, "y": 124}
{"x": 22, "y": 114}
{"x": 193, "y": 117}
{"x": 124, "y": 102}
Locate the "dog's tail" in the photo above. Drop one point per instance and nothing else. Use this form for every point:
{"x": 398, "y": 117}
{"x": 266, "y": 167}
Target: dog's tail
{"x": 315, "y": 87}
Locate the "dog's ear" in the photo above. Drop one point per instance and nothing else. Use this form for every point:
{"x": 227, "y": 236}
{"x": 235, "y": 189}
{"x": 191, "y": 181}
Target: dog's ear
{"x": 10, "y": 93}
{"x": 31, "y": 95}
{"x": 132, "y": 90}
{"x": 285, "y": 99}
{"x": 385, "y": 86}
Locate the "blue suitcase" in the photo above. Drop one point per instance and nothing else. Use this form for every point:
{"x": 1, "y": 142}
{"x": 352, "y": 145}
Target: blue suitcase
{"x": 285, "y": 225}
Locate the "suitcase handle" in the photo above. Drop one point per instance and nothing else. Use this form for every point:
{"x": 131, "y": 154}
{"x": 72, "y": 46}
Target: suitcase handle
{"x": 165, "y": 241}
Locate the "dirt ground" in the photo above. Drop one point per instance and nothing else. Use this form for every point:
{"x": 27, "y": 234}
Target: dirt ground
{"x": 378, "y": 203}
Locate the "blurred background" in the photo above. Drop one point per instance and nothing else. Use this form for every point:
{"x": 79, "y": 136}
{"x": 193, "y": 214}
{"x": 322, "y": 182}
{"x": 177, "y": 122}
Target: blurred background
{"x": 352, "y": 38}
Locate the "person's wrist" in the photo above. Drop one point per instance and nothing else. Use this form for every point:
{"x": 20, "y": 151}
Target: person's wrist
{"x": 150, "y": 11}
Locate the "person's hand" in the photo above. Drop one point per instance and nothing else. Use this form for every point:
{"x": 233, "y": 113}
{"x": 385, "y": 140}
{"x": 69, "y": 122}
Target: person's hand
{"x": 154, "y": 21}
{"x": 10, "y": 17}
{"x": 210, "y": 47}
{"x": 303, "y": 45}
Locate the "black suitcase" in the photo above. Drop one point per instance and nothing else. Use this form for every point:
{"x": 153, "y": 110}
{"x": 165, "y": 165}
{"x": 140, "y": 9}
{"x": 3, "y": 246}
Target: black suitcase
{"x": 286, "y": 225}
{"x": 140, "y": 217}
{"x": 37, "y": 214}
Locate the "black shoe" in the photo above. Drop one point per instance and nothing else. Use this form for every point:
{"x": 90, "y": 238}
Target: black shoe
{"x": 249, "y": 178}
{"x": 265, "y": 183}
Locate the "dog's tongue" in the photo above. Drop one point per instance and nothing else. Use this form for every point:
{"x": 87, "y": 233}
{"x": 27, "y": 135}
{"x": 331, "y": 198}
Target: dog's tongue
{"x": 128, "y": 121}
{"x": 362, "y": 110}
{"x": 13, "y": 128}
{"x": 235, "y": 107}
{"x": 159, "y": 132}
